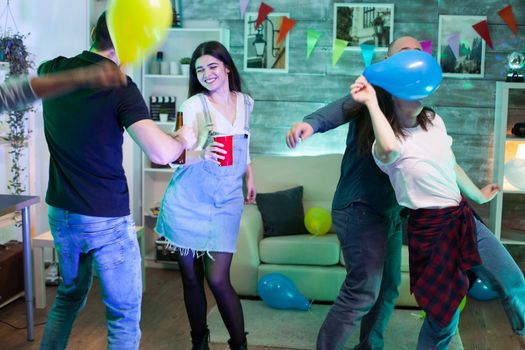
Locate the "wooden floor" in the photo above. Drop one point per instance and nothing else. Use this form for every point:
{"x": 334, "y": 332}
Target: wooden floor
{"x": 164, "y": 325}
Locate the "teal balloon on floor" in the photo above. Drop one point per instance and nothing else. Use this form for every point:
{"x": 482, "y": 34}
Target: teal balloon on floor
{"x": 480, "y": 291}
{"x": 408, "y": 75}
{"x": 279, "y": 292}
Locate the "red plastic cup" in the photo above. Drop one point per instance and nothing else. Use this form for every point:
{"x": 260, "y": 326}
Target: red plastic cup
{"x": 227, "y": 141}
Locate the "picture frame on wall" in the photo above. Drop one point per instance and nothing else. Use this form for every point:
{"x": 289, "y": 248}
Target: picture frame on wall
{"x": 177, "y": 13}
{"x": 364, "y": 24}
{"x": 261, "y": 51}
{"x": 461, "y": 51}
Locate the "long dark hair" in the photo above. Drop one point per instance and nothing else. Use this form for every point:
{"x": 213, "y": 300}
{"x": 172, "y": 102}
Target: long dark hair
{"x": 364, "y": 130}
{"x": 217, "y": 50}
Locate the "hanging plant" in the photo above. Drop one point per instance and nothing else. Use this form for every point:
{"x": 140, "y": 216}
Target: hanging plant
{"x": 14, "y": 51}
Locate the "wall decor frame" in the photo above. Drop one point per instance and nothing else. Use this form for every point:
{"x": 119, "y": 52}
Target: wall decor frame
{"x": 470, "y": 62}
{"x": 261, "y": 52}
{"x": 177, "y": 13}
{"x": 364, "y": 24}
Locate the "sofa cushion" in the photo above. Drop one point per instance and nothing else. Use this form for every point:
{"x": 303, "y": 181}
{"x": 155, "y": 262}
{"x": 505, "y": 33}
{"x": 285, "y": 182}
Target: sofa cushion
{"x": 282, "y": 212}
{"x": 300, "y": 250}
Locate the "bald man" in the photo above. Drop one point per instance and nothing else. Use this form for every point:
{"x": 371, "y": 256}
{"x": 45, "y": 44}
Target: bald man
{"x": 366, "y": 219}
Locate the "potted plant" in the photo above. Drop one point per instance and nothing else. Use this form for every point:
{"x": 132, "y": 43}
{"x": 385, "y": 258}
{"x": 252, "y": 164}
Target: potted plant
{"x": 185, "y": 65}
{"x": 14, "y": 51}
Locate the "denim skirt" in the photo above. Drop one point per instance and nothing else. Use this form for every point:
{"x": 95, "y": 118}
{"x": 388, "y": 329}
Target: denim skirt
{"x": 202, "y": 206}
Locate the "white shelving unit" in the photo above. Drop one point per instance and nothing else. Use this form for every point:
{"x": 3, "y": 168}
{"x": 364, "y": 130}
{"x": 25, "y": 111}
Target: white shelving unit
{"x": 505, "y": 146}
{"x": 180, "y": 43}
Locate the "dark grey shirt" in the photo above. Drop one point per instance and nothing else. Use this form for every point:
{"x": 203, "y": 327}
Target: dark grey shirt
{"x": 15, "y": 94}
{"x": 361, "y": 180}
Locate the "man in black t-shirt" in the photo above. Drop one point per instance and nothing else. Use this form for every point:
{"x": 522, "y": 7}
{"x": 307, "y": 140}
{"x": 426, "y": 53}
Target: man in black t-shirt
{"x": 88, "y": 196}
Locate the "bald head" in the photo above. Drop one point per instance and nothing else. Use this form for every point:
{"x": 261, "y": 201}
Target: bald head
{"x": 402, "y": 44}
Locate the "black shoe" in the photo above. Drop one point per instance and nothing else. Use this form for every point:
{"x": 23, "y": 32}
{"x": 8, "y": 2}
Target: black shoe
{"x": 200, "y": 342}
{"x": 242, "y": 346}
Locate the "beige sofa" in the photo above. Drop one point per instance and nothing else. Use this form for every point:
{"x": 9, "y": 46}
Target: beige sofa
{"x": 313, "y": 263}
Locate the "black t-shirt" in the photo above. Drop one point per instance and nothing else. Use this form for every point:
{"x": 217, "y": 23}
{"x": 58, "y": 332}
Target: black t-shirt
{"x": 84, "y": 132}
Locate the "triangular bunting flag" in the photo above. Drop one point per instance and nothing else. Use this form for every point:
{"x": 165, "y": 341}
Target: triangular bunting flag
{"x": 483, "y": 30}
{"x": 453, "y": 42}
{"x": 367, "y": 51}
{"x": 264, "y": 11}
{"x": 243, "y": 5}
{"x": 286, "y": 26}
{"x": 338, "y": 49}
{"x": 312, "y": 36}
{"x": 426, "y": 45}
{"x": 508, "y": 17}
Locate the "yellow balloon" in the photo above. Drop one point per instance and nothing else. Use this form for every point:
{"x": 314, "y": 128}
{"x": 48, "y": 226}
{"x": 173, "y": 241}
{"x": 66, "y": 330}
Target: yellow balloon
{"x": 137, "y": 27}
{"x": 317, "y": 221}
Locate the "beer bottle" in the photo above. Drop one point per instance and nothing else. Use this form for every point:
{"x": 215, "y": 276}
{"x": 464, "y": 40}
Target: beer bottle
{"x": 178, "y": 125}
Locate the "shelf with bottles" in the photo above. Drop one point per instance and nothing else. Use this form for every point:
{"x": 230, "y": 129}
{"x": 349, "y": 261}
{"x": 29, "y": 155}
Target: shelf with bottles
{"x": 506, "y": 210}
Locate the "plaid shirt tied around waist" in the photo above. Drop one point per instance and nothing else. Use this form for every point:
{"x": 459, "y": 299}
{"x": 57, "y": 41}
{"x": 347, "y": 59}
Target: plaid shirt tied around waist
{"x": 442, "y": 246}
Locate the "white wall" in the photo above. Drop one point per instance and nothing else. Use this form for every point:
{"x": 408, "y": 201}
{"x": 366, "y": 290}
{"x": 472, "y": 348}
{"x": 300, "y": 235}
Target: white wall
{"x": 60, "y": 27}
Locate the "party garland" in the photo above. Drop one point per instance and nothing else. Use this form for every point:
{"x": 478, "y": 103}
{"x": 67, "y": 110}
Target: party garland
{"x": 14, "y": 51}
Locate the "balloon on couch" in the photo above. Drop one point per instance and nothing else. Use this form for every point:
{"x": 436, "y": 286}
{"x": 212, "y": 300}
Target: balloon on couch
{"x": 317, "y": 221}
{"x": 137, "y": 27}
{"x": 279, "y": 292}
{"x": 408, "y": 75}
{"x": 480, "y": 291}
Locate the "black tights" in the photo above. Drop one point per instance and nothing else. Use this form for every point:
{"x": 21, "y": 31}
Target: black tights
{"x": 218, "y": 276}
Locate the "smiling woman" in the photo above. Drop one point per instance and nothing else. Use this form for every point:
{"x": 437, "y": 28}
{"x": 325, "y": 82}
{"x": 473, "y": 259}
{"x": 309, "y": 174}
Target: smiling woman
{"x": 201, "y": 209}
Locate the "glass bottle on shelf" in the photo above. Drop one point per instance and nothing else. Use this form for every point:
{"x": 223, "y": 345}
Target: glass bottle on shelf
{"x": 178, "y": 124}
{"x": 155, "y": 65}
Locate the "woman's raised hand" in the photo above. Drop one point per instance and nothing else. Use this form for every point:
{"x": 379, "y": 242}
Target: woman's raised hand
{"x": 362, "y": 91}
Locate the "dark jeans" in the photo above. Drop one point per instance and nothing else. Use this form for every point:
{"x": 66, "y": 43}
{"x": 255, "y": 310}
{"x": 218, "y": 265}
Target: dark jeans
{"x": 371, "y": 246}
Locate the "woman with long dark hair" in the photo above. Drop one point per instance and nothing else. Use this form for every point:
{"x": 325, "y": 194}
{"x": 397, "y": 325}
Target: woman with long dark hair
{"x": 447, "y": 241}
{"x": 201, "y": 209}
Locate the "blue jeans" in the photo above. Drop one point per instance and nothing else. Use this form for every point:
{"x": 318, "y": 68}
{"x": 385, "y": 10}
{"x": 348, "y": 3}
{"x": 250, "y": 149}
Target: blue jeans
{"x": 500, "y": 273}
{"x": 108, "y": 246}
{"x": 371, "y": 246}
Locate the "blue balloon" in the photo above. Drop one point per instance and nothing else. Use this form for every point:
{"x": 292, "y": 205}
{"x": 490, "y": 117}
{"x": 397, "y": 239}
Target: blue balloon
{"x": 279, "y": 292}
{"x": 408, "y": 75}
{"x": 480, "y": 291}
